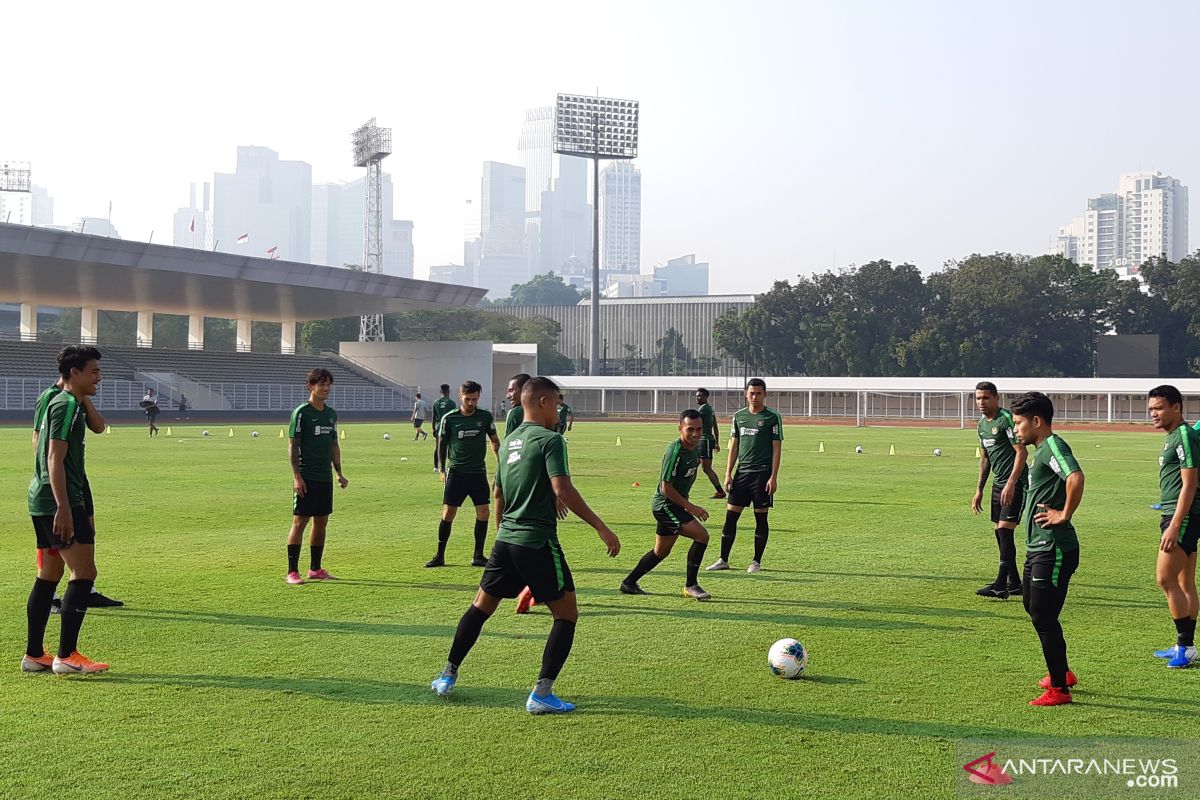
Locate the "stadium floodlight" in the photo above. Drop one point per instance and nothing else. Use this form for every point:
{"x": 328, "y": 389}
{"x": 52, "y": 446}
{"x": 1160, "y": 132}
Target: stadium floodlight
{"x": 595, "y": 128}
{"x": 372, "y": 144}
{"x": 15, "y": 176}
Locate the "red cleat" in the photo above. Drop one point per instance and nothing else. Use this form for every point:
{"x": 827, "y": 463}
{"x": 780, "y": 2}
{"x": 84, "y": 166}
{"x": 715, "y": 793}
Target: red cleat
{"x": 1071, "y": 681}
{"x": 525, "y": 600}
{"x": 1052, "y": 697}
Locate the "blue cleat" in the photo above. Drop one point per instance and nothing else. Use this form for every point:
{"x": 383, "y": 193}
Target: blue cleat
{"x": 1167, "y": 653}
{"x": 1183, "y": 657}
{"x": 442, "y": 685}
{"x": 550, "y": 704}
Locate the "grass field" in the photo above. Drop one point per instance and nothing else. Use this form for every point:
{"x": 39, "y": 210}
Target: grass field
{"x": 226, "y": 683}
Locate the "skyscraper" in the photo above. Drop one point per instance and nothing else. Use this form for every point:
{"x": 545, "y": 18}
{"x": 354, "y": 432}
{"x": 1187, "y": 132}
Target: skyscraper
{"x": 502, "y": 259}
{"x": 620, "y": 218}
{"x": 566, "y": 219}
{"x": 193, "y": 224}
{"x": 338, "y": 227}
{"x": 35, "y": 207}
{"x": 536, "y": 146}
{"x": 264, "y": 203}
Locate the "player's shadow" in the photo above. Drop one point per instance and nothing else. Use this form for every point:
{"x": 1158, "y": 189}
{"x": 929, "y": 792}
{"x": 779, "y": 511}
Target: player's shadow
{"x": 846, "y": 502}
{"x": 709, "y": 613}
{"x": 902, "y": 610}
{"x": 1108, "y": 602}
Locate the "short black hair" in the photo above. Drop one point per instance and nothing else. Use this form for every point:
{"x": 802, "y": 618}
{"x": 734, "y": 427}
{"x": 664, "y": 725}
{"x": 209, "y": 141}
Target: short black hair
{"x": 75, "y": 356}
{"x": 987, "y": 386}
{"x": 702, "y": 391}
{"x": 1034, "y": 404}
{"x": 469, "y": 387}
{"x": 690, "y": 413}
{"x": 759, "y": 382}
{"x": 521, "y": 378}
{"x": 445, "y": 387}
{"x": 536, "y": 387}
{"x": 418, "y": 395}
{"x": 1168, "y": 393}
{"x": 319, "y": 375}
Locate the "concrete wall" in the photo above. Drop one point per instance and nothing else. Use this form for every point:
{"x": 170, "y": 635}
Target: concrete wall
{"x": 427, "y": 364}
{"x": 508, "y": 360}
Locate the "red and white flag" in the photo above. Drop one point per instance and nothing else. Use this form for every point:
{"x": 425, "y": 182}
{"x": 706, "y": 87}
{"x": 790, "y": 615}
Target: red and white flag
{"x": 245, "y": 237}
{"x": 271, "y": 250}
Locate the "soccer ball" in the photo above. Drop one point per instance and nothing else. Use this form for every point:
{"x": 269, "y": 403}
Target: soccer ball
{"x": 254, "y": 434}
{"x": 387, "y": 437}
{"x": 937, "y": 451}
{"x": 858, "y": 449}
{"x": 205, "y": 433}
{"x": 404, "y": 458}
{"x": 787, "y": 658}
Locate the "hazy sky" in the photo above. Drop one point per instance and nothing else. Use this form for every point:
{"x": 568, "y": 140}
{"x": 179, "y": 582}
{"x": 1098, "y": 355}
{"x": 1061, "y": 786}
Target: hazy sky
{"x": 776, "y": 136}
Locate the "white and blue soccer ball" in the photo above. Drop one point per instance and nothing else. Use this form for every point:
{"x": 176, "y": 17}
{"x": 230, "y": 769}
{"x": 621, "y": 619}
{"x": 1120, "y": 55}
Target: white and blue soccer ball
{"x": 937, "y": 451}
{"x": 787, "y": 658}
{"x": 205, "y": 433}
{"x": 387, "y": 437}
{"x": 858, "y": 449}
{"x": 254, "y": 434}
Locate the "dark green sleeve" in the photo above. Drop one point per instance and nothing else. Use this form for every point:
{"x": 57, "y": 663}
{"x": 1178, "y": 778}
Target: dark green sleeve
{"x": 670, "y": 458}
{"x": 555, "y": 450}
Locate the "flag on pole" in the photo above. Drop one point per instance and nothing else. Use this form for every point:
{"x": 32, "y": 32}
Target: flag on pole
{"x": 245, "y": 237}
{"x": 271, "y": 250}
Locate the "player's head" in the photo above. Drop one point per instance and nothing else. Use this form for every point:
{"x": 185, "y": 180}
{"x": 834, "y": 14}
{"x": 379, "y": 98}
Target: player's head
{"x": 702, "y": 395}
{"x": 445, "y": 387}
{"x": 515, "y": 386}
{"x": 79, "y": 366}
{"x": 1033, "y": 417}
{"x": 756, "y": 392}
{"x": 319, "y": 382}
{"x": 468, "y": 396}
{"x": 987, "y": 398}
{"x": 418, "y": 395}
{"x": 691, "y": 427}
{"x": 1165, "y": 404}
{"x": 539, "y": 398}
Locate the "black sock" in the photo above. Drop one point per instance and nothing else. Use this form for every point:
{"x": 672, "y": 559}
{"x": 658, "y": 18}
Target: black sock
{"x": 480, "y": 536}
{"x": 762, "y": 531}
{"x": 293, "y": 558}
{"x": 1007, "y": 575}
{"x": 1185, "y": 631}
{"x": 648, "y": 562}
{"x": 315, "y": 551}
{"x": 694, "y": 556}
{"x": 469, "y": 628}
{"x": 558, "y": 647}
{"x": 443, "y": 537}
{"x": 74, "y": 606}
{"x": 729, "y": 533}
{"x": 37, "y": 611}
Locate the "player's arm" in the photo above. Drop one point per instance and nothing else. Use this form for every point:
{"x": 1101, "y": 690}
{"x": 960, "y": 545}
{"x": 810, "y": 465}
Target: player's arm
{"x": 298, "y": 485}
{"x": 984, "y": 468}
{"x": 731, "y": 460}
{"x": 1186, "y": 495}
{"x": 1049, "y": 517}
{"x": 716, "y": 436}
{"x": 443, "y": 446}
{"x": 776, "y": 458}
{"x": 337, "y": 462}
{"x": 565, "y": 491}
{"x": 95, "y": 420}
{"x": 570, "y": 419}
{"x": 495, "y": 443}
{"x": 672, "y": 494}
{"x": 1021, "y": 456}
{"x": 64, "y": 525}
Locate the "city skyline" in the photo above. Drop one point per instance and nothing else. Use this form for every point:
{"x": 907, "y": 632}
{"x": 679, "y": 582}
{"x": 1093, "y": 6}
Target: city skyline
{"x": 776, "y": 138}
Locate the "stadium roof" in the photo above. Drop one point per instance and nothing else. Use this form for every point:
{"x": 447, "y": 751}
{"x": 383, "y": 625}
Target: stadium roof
{"x": 57, "y": 268}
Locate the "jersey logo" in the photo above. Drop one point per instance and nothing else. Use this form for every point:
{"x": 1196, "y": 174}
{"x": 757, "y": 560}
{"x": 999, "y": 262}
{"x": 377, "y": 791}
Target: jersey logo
{"x": 1054, "y": 466}
{"x": 989, "y": 442}
{"x": 514, "y": 457}
{"x": 995, "y": 431}
{"x": 744, "y": 431}
{"x": 1161, "y": 461}
{"x": 690, "y": 473}
{"x": 1179, "y": 452}
{"x": 322, "y": 430}
{"x": 761, "y": 423}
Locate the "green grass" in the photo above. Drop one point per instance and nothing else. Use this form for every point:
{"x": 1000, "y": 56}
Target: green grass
{"x": 228, "y": 684}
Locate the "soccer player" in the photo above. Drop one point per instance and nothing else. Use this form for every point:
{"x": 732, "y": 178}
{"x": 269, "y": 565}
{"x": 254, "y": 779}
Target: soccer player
{"x": 462, "y": 461}
{"x": 1180, "y": 524}
{"x": 96, "y": 424}
{"x": 420, "y": 411}
{"x": 1051, "y": 545}
{"x": 755, "y": 448}
{"x": 566, "y": 417}
{"x": 62, "y": 527}
{"x": 516, "y": 414}
{"x": 533, "y": 471}
{"x": 709, "y": 442}
{"x": 312, "y": 449}
{"x": 675, "y": 514}
{"x": 1005, "y": 458}
{"x": 150, "y": 405}
{"x": 441, "y": 407}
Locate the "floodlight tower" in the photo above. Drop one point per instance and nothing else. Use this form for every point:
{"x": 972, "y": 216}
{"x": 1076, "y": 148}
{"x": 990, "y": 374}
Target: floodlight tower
{"x": 371, "y": 145}
{"x": 595, "y": 128}
{"x": 15, "y": 176}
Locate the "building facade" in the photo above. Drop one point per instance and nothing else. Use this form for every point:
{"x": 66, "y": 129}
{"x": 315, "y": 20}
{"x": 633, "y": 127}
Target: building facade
{"x": 502, "y": 260}
{"x": 339, "y": 227}
{"x": 620, "y": 218}
{"x": 265, "y": 203}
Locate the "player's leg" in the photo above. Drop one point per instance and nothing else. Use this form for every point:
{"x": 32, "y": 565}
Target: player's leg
{"x": 664, "y": 540}
{"x": 295, "y": 536}
{"x": 1170, "y": 573}
{"x": 80, "y": 559}
{"x": 762, "y": 527}
{"x": 482, "y": 513}
{"x": 97, "y": 600}
{"x": 699, "y": 535}
{"x": 435, "y": 448}
{"x": 1050, "y": 577}
{"x": 37, "y": 607}
{"x": 316, "y": 548}
{"x": 713, "y": 478}
{"x": 548, "y": 575}
{"x": 445, "y": 525}
{"x": 470, "y": 625}
{"x": 1004, "y": 538}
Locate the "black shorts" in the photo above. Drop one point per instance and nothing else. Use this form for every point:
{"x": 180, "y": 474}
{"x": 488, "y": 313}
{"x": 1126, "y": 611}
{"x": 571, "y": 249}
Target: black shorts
{"x": 671, "y": 519}
{"x": 43, "y": 529}
{"x": 1050, "y": 570}
{"x": 750, "y": 488}
{"x": 418, "y": 422}
{"x": 512, "y": 567}
{"x": 1189, "y": 531}
{"x": 1009, "y": 513}
{"x": 461, "y": 485}
{"x": 704, "y": 449}
{"x": 317, "y": 500}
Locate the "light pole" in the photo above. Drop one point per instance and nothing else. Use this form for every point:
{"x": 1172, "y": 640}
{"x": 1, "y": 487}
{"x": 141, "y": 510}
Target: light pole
{"x": 371, "y": 145}
{"x": 595, "y": 128}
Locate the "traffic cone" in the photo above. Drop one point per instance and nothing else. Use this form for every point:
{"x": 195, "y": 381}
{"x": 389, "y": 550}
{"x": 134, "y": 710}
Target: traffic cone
{"x": 343, "y": 434}
{"x": 280, "y": 433}
{"x": 618, "y": 441}
{"x": 168, "y": 430}
{"x": 821, "y": 447}
{"x": 108, "y": 429}
{"x": 231, "y": 433}
{"x": 978, "y": 453}
{"x": 892, "y": 450}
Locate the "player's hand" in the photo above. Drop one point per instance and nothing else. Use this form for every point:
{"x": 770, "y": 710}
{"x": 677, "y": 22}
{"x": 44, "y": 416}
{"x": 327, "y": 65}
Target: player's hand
{"x": 299, "y": 486}
{"x": 1169, "y": 538}
{"x": 716, "y": 448}
{"x": 699, "y": 512}
{"x": 1049, "y": 517}
{"x": 610, "y": 540}
{"x": 560, "y": 508}
{"x": 1008, "y": 493}
{"x": 441, "y": 476}
{"x": 64, "y": 525}
{"x": 977, "y": 503}
{"x": 772, "y": 485}
{"x": 343, "y": 481}
{"x": 728, "y": 484}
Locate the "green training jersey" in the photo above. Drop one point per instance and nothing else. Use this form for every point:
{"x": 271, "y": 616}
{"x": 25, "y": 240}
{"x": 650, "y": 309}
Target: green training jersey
{"x": 39, "y": 408}
{"x": 467, "y": 440}
{"x": 514, "y": 419}
{"x": 315, "y": 432}
{"x": 529, "y": 457}
{"x": 1196, "y": 427}
{"x": 564, "y": 411}
{"x": 441, "y": 407}
{"x": 1180, "y": 451}
{"x": 679, "y": 467}
{"x": 64, "y": 420}
{"x": 998, "y": 438}
{"x": 708, "y": 418}
{"x": 1049, "y": 467}
{"x": 754, "y": 434}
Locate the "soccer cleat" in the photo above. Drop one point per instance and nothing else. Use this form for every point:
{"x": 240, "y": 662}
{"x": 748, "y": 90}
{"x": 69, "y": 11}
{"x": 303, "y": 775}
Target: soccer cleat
{"x": 718, "y": 496}
{"x": 632, "y": 588}
{"x": 1183, "y": 657}
{"x": 42, "y": 663}
{"x": 442, "y": 685}
{"x": 1052, "y": 697}
{"x": 56, "y": 608}
{"x": 719, "y": 564}
{"x": 696, "y": 592}
{"x": 294, "y": 578}
{"x": 1071, "y": 680}
{"x": 1167, "y": 653}
{"x": 550, "y": 704}
{"x": 993, "y": 591}
{"x": 436, "y": 561}
{"x": 479, "y": 561}
{"x": 320, "y": 575}
{"x": 1014, "y": 590}
{"x": 524, "y": 600}
{"x": 754, "y": 567}
{"x": 98, "y": 600}
{"x": 77, "y": 664}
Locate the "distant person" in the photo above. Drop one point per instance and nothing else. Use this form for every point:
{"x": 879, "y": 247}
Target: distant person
{"x": 566, "y": 417}
{"x": 419, "y": 413}
{"x": 313, "y": 449}
{"x": 149, "y": 404}
{"x": 516, "y": 414}
{"x": 183, "y": 407}
{"x": 710, "y": 443}
{"x": 1006, "y": 457}
{"x": 442, "y": 406}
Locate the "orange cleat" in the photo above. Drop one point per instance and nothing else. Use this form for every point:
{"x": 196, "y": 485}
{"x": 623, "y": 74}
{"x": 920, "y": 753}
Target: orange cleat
{"x": 525, "y": 601}
{"x": 77, "y": 664}
{"x": 42, "y": 663}
{"x": 1052, "y": 697}
{"x": 1071, "y": 681}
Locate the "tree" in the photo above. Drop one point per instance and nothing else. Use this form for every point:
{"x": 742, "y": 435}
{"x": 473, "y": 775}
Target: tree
{"x": 672, "y": 356}
{"x": 326, "y": 334}
{"x": 542, "y": 290}
{"x": 1168, "y": 307}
